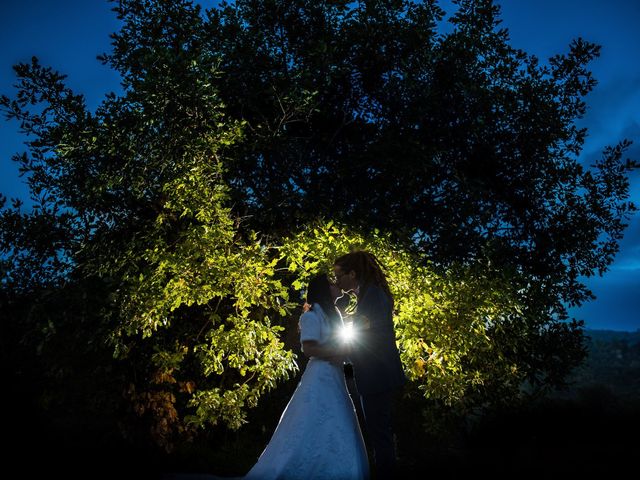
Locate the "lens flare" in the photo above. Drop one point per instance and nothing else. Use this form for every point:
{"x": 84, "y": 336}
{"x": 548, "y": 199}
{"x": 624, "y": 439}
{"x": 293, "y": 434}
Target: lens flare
{"x": 347, "y": 332}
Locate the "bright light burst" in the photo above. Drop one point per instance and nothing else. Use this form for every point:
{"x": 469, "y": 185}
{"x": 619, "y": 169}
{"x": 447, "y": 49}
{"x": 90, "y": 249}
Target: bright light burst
{"x": 347, "y": 333}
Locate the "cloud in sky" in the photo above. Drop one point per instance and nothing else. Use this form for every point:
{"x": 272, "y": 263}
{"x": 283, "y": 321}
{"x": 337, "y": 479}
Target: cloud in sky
{"x": 617, "y": 304}
{"x": 613, "y": 113}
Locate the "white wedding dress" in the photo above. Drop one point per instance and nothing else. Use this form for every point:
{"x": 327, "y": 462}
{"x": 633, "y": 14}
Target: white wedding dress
{"x": 318, "y": 436}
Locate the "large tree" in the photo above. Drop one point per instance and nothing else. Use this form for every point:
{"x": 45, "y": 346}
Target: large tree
{"x": 252, "y": 144}
{"x": 366, "y": 114}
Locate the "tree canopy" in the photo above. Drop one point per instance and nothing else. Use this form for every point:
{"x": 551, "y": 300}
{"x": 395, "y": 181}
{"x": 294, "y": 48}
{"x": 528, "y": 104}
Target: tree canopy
{"x": 174, "y": 228}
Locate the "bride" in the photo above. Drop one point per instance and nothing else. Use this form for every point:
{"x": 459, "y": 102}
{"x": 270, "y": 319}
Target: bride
{"x": 318, "y": 436}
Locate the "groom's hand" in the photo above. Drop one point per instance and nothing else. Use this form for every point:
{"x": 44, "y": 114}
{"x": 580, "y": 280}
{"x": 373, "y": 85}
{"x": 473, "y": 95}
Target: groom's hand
{"x": 362, "y": 322}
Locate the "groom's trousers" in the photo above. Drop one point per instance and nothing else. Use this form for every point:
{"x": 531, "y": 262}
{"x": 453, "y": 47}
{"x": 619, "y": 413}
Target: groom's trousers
{"x": 377, "y": 409}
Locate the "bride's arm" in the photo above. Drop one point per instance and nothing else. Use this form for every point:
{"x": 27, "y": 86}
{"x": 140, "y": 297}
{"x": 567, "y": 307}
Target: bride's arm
{"x": 312, "y": 348}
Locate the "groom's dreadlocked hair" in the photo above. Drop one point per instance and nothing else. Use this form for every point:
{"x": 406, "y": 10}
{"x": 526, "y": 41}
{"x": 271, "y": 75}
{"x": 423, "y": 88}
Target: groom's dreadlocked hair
{"x": 367, "y": 268}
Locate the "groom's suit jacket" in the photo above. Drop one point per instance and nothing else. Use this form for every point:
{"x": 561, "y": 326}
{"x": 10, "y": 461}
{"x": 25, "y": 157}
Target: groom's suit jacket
{"x": 375, "y": 358}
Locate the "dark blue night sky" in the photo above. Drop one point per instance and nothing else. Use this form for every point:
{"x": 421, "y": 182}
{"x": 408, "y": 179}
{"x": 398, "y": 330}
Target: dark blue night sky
{"x": 67, "y": 36}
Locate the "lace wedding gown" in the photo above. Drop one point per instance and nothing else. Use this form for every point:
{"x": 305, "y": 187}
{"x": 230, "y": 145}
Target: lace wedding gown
{"x": 318, "y": 436}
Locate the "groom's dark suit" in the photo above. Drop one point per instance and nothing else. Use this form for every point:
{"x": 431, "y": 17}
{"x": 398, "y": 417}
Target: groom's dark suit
{"x": 377, "y": 371}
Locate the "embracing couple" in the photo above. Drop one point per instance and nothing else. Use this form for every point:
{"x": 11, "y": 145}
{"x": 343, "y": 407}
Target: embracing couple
{"x": 318, "y": 436}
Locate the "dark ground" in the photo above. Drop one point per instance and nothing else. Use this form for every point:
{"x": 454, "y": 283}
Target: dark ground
{"x": 557, "y": 439}
{"x": 589, "y": 431}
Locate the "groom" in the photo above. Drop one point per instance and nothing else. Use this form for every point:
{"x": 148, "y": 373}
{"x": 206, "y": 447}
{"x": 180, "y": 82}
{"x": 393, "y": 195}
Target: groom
{"x": 376, "y": 362}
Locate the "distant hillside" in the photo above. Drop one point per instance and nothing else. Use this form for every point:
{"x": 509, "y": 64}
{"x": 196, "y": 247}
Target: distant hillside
{"x": 612, "y": 367}
{"x": 613, "y": 335}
